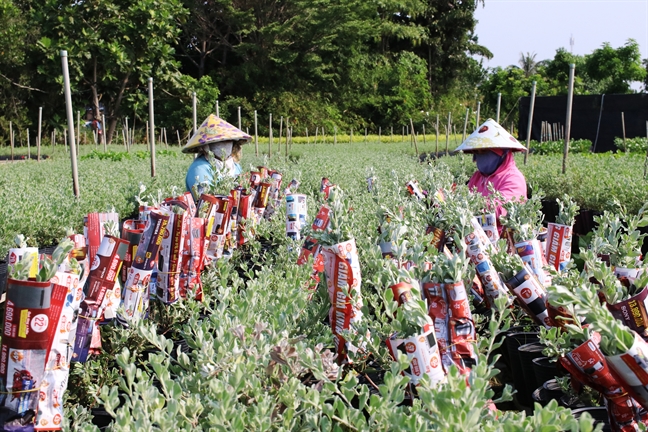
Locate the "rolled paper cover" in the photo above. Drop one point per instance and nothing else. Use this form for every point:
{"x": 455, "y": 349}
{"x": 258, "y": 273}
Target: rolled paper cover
{"x": 322, "y": 219}
{"x": 479, "y": 232}
{"x": 587, "y": 365}
{"x": 296, "y": 208}
{"x": 531, "y": 253}
{"x": 255, "y": 179}
{"x": 423, "y": 354}
{"x": 170, "y": 258}
{"x": 559, "y": 315}
{"x": 193, "y": 257}
{"x": 17, "y": 254}
{"x": 402, "y": 292}
{"x": 245, "y": 216}
{"x": 414, "y": 189}
{"x": 437, "y": 302}
{"x": 132, "y": 231}
{"x": 93, "y": 230}
{"x": 542, "y": 238}
{"x": 631, "y": 370}
{"x": 461, "y": 328}
{"x": 263, "y": 196}
{"x": 263, "y": 171}
{"x": 488, "y": 276}
{"x": 633, "y": 312}
{"x": 438, "y": 237}
{"x": 629, "y": 273}
{"x": 488, "y": 223}
{"x": 531, "y": 295}
{"x": 558, "y": 249}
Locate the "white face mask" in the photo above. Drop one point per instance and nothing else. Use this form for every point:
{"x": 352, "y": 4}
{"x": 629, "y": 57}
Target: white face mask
{"x": 222, "y": 150}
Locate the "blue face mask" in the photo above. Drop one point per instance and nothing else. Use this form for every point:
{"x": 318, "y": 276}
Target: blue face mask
{"x": 488, "y": 162}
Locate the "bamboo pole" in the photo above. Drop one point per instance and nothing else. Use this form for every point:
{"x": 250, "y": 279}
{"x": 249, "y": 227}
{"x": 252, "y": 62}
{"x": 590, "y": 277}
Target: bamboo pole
{"x": 316, "y": 130}
{"x": 477, "y": 118}
{"x": 148, "y": 141}
{"x": 40, "y": 124}
{"x": 436, "y": 128}
{"x": 54, "y": 138}
{"x": 403, "y": 134}
{"x": 625, "y": 148}
{"x": 270, "y": 138}
{"x": 334, "y": 135}
{"x": 287, "y": 136}
{"x": 392, "y": 134}
{"x": 530, "y": 122}
{"x": 78, "y": 136}
{"x": 365, "y": 135}
{"x": 70, "y": 121}
{"x": 424, "y": 143}
{"x": 499, "y": 104}
{"x": 217, "y": 109}
{"x": 194, "y": 111}
{"x": 307, "y": 137}
{"x": 463, "y": 136}
{"x": 280, "y": 135}
{"x": 646, "y": 162}
{"x": 379, "y": 134}
{"x": 448, "y": 131}
{"x": 65, "y": 135}
{"x": 239, "y": 117}
{"x": 256, "y": 134}
{"x": 152, "y": 124}
{"x": 28, "y": 145}
{"x": 570, "y": 97}
{"x": 11, "y": 140}
{"x": 179, "y": 142}
{"x": 127, "y": 143}
{"x": 351, "y": 136}
{"x": 103, "y": 131}
{"x": 166, "y": 142}
{"x": 414, "y": 137}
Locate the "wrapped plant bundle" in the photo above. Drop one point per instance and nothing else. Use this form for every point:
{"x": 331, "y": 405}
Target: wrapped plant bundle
{"x": 222, "y": 213}
{"x": 414, "y": 190}
{"x": 296, "y": 213}
{"x": 193, "y": 257}
{"x": 488, "y": 276}
{"x": 292, "y": 187}
{"x": 488, "y": 223}
{"x": 326, "y": 187}
{"x": 231, "y": 239}
{"x": 262, "y": 198}
{"x": 246, "y": 219}
{"x": 170, "y": 255}
{"x": 449, "y": 308}
{"x": 579, "y": 353}
{"x": 132, "y": 231}
{"x": 103, "y": 275}
{"x": 312, "y": 248}
{"x": 273, "y": 194}
{"x": 28, "y": 330}
{"x": 524, "y": 285}
{"x": 417, "y": 336}
{"x": 135, "y": 298}
{"x": 559, "y": 234}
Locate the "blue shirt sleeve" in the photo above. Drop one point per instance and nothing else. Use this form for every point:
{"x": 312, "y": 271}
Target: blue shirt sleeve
{"x": 201, "y": 169}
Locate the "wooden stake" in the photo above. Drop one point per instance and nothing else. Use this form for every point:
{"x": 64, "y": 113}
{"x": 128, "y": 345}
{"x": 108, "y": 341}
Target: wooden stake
{"x": 351, "y": 136}
{"x": 307, "y": 137}
{"x": 499, "y": 104}
{"x": 280, "y": 134}
{"x": 148, "y": 141}
{"x": 40, "y": 123}
{"x": 78, "y": 136}
{"x": 365, "y": 135}
{"x": 239, "y": 117}
{"x": 70, "y": 121}
{"x": 530, "y": 123}
{"x": 217, "y": 109}
{"x": 392, "y": 134}
{"x": 287, "y": 135}
{"x": 127, "y": 143}
{"x": 179, "y": 142}
{"x": 256, "y": 135}
{"x": 54, "y": 138}
{"x": 646, "y": 162}
{"x": 436, "y": 128}
{"x": 414, "y": 138}
{"x": 463, "y": 136}
{"x": 152, "y": 123}
{"x": 380, "y": 134}
{"x": 316, "y": 129}
{"x": 625, "y": 148}
{"x": 103, "y": 131}
{"x": 334, "y": 135}
{"x": 424, "y": 135}
{"x": 478, "y": 110}
{"x": 194, "y": 111}
{"x": 11, "y": 140}
{"x": 448, "y": 131}
{"x": 270, "y": 138}
{"x": 28, "y": 146}
{"x": 570, "y": 97}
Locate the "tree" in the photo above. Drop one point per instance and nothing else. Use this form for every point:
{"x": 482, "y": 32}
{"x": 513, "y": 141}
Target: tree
{"x": 616, "y": 69}
{"x": 113, "y": 47}
{"x": 528, "y": 63}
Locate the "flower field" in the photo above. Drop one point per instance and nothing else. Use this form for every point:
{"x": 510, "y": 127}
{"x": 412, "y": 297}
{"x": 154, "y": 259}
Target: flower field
{"x": 258, "y": 352}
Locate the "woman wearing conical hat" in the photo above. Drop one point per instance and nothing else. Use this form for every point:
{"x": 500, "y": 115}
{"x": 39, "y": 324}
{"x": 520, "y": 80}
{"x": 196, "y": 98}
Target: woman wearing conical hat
{"x": 492, "y": 148}
{"x": 218, "y": 145}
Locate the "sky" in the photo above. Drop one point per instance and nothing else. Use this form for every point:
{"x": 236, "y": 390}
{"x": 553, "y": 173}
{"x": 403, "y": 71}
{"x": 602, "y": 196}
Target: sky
{"x": 509, "y": 27}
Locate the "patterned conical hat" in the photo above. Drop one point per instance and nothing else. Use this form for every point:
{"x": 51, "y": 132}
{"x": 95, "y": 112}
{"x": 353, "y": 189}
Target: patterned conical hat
{"x": 214, "y": 130}
{"x": 490, "y": 135}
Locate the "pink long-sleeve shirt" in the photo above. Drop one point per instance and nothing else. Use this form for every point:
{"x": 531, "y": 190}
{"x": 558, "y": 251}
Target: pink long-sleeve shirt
{"x": 507, "y": 179}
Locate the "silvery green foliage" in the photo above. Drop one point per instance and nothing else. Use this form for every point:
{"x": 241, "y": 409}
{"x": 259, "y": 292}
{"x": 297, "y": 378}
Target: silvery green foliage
{"x": 567, "y": 210}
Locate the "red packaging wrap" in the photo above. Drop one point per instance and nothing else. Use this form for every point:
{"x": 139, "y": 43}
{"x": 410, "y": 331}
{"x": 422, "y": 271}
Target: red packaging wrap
{"x": 103, "y": 274}
{"x": 169, "y": 261}
{"x": 231, "y": 239}
{"x": 422, "y": 353}
{"x": 633, "y": 312}
{"x": 93, "y": 230}
{"x": 587, "y": 365}
{"x": 135, "y": 299}
{"x": 220, "y": 227}
{"x": 414, "y": 189}
{"x": 558, "y": 249}
{"x": 326, "y": 187}
{"x": 631, "y": 370}
{"x": 132, "y": 231}
{"x": 312, "y": 248}
{"x": 342, "y": 269}
{"x": 25, "y": 342}
{"x": 488, "y": 276}
{"x": 488, "y": 223}
{"x": 193, "y": 258}
{"x": 438, "y": 312}
{"x": 245, "y": 216}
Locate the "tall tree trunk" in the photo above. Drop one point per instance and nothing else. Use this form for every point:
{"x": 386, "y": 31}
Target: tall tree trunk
{"x": 115, "y": 108}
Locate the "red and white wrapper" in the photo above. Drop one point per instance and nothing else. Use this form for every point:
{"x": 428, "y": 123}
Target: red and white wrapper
{"x": 439, "y": 237}
{"x": 193, "y": 257}
{"x": 423, "y": 354}
{"x": 292, "y": 187}
{"x": 263, "y": 171}
{"x": 170, "y": 258}
{"x": 414, "y": 189}
{"x": 245, "y": 216}
{"x": 25, "y": 342}
{"x": 93, "y": 230}
{"x": 488, "y": 223}
{"x": 132, "y": 231}
{"x": 185, "y": 201}
{"x": 220, "y": 227}
{"x": 342, "y": 268}
{"x": 312, "y": 248}
{"x": 633, "y": 312}
{"x": 558, "y": 249}
{"x": 531, "y": 253}
{"x": 531, "y": 295}
{"x": 542, "y": 238}
{"x": 231, "y": 239}
{"x": 490, "y": 280}
{"x": 326, "y": 187}
{"x": 103, "y": 275}
{"x": 296, "y": 213}
{"x": 17, "y": 254}
{"x": 135, "y": 298}
{"x": 66, "y": 298}
{"x": 631, "y": 370}
{"x": 438, "y": 311}
{"x": 587, "y": 365}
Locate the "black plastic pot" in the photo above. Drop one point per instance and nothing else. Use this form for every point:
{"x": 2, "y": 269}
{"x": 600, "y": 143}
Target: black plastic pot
{"x": 527, "y": 353}
{"x": 544, "y": 369}
{"x": 513, "y": 342}
{"x": 549, "y": 209}
{"x": 3, "y": 276}
{"x": 553, "y": 390}
{"x": 599, "y": 414}
{"x": 101, "y": 418}
{"x": 572, "y": 402}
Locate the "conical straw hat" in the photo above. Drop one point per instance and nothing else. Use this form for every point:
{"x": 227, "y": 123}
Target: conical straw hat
{"x": 490, "y": 135}
{"x": 214, "y": 130}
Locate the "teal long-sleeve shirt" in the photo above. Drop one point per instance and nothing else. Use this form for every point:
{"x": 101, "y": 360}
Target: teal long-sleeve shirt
{"x": 201, "y": 171}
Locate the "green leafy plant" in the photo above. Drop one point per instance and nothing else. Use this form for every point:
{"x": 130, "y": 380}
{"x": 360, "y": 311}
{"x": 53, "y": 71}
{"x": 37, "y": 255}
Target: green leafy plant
{"x": 524, "y": 217}
{"x": 567, "y": 211}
